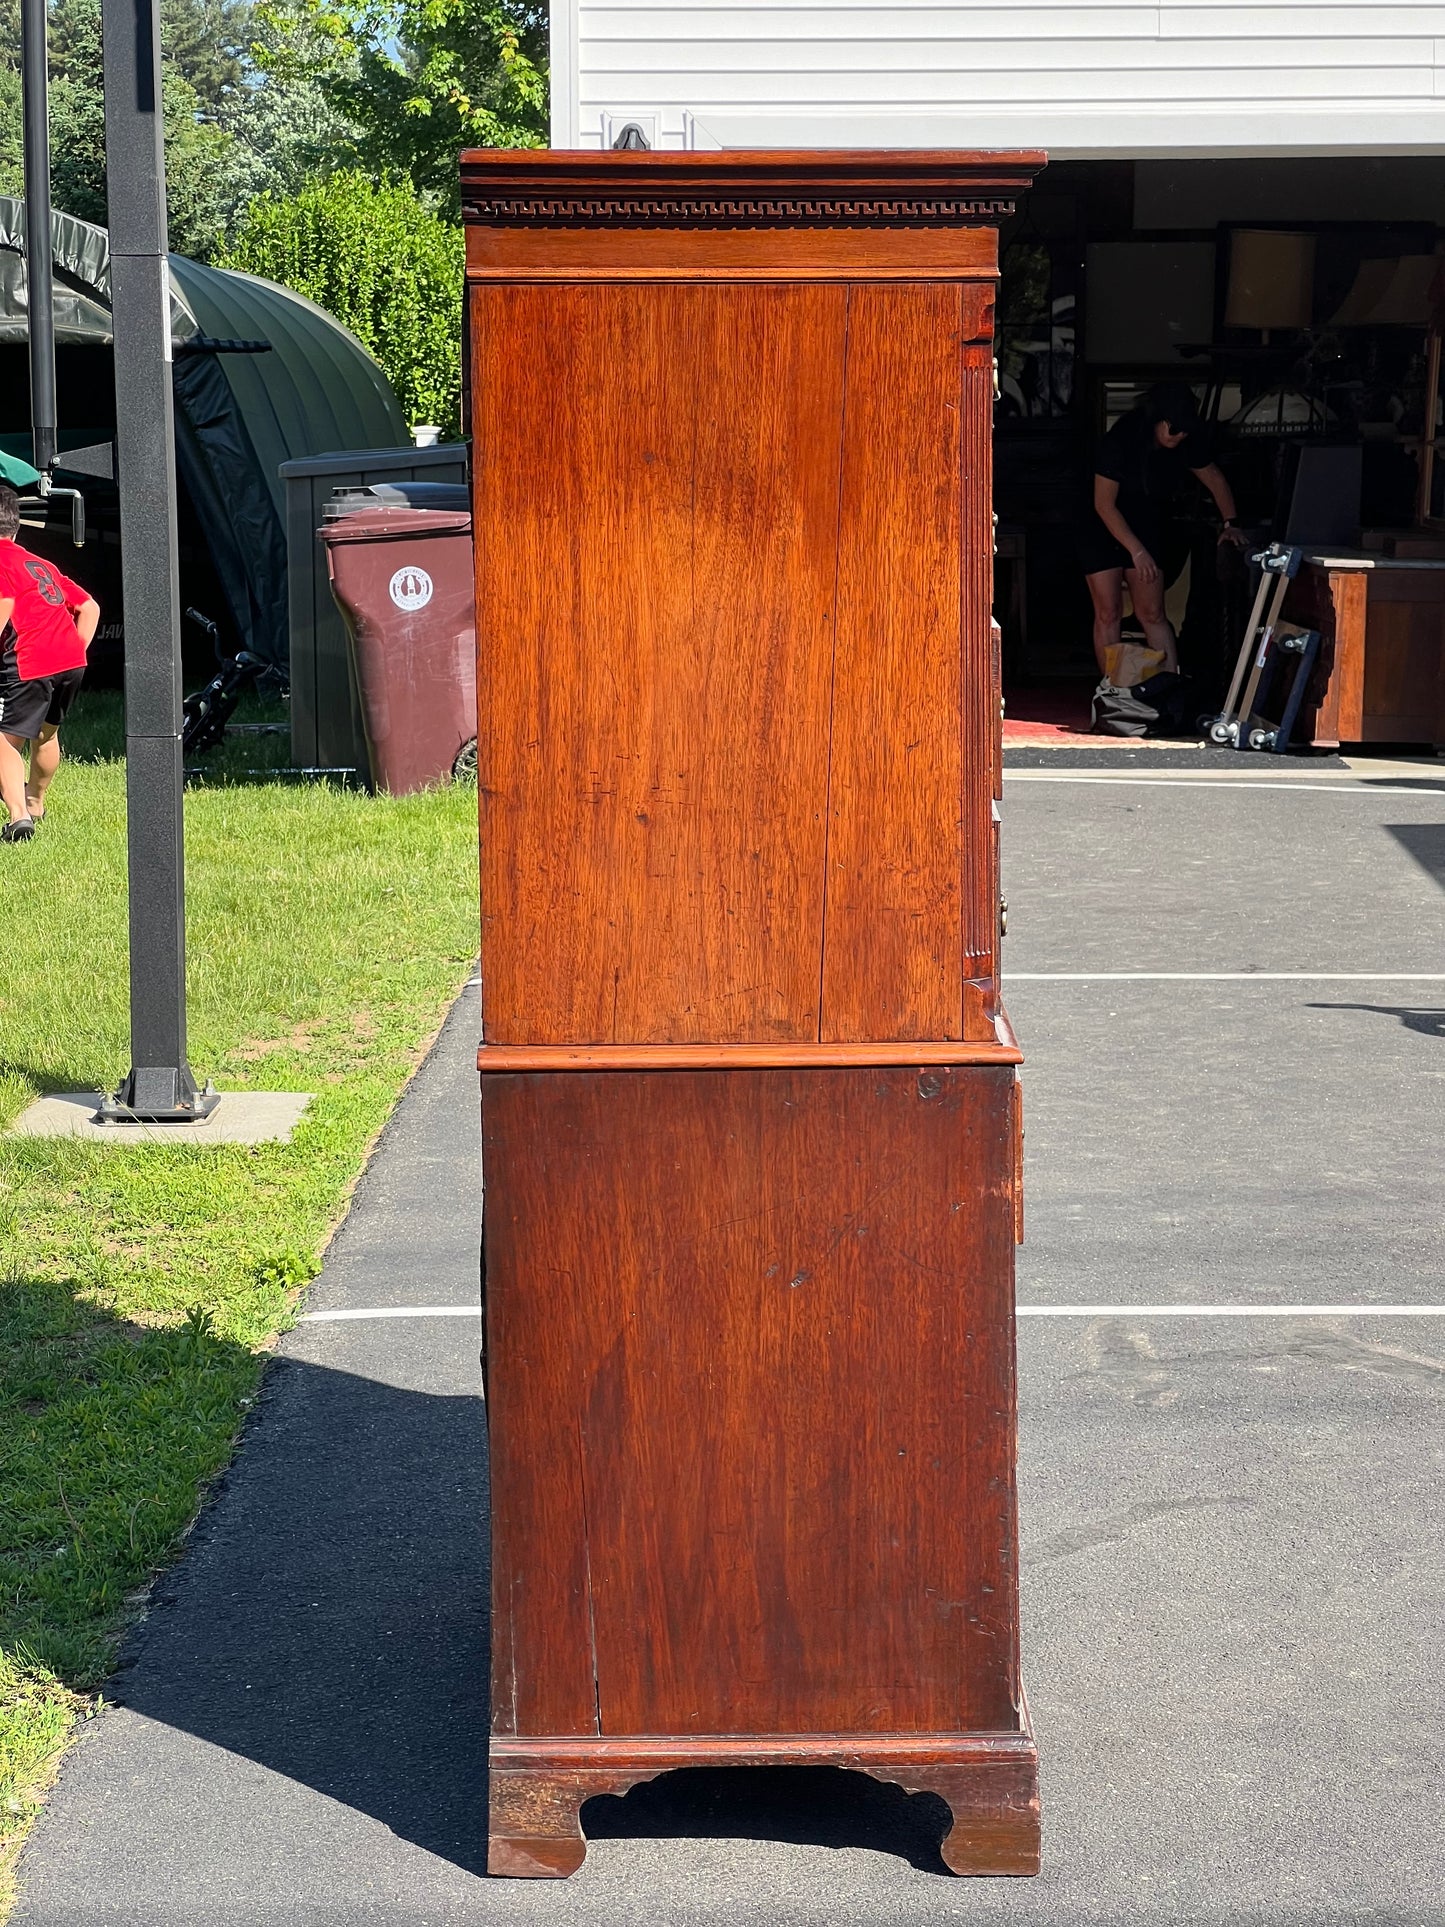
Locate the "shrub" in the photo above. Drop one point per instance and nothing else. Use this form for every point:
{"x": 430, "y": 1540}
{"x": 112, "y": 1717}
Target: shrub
{"x": 384, "y": 264}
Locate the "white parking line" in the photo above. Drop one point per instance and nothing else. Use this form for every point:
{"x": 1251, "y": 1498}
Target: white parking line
{"x": 1224, "y": 977}
{"x": 393, "y": 1311}
{"x": 1231, "y": 1311}
{"x": 1024, "y": 1311}
{"x": 1336, "y": 786}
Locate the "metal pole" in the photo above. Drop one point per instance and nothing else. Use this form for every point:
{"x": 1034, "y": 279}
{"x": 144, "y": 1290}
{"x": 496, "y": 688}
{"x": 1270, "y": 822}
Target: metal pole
{"x": 39, "y": 268}
{"x": 160, "y": 1087}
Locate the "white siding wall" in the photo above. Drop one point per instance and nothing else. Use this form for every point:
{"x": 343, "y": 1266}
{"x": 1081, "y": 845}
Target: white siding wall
{"x": 1207, "y": 77}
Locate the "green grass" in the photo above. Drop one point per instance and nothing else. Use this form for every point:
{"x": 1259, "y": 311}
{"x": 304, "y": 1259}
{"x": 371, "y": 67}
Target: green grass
{"x": 256, "y": 747}
{"x": 139, "y": 1285}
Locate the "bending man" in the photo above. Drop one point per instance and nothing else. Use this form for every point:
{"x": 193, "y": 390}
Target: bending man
{"x": 1136, "y": 472}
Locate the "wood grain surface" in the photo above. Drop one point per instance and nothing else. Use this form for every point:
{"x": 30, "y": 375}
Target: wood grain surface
{"x": 980, "y": 717}
{"x": 720, "y": 174}
{"x": 765, "y": 253}
{"x": 1347, "y": 596}
{"x": 492, "y": 1058}
{"x": 656, "y": 487}
{"x": 738, "y": 730}
{"x": 1381, "y": 675}
{"x": 753, "y": 1450}
{"x": 677, "y": 212}
{"x": 990, "y": 1782}
{"x": 893, "y": 955}
{"x": 751, "y": 1125}
{"x": 1400, "y": 695}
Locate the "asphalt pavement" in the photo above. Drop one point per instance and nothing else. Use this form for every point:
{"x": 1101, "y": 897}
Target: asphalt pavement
{"x": 1232, "y": 1000}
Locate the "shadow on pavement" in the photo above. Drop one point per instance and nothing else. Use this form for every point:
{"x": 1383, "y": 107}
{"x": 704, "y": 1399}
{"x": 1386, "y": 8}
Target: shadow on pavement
{"x": 807, "y": 1806}
{"x": 1428, "y": 1022}
{"x": 1426, "y": 843}
{"x": 329, "y": 1618}
{"x": 329, "y": 1622}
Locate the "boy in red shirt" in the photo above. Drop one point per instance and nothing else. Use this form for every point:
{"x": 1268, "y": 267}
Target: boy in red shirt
{"x": 46, "y": 626}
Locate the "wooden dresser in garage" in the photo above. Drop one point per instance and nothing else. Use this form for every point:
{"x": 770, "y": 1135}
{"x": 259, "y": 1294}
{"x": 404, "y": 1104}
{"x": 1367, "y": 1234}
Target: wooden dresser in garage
{"x": 1382, "y": 623}
{"x": 750, "y": 1112}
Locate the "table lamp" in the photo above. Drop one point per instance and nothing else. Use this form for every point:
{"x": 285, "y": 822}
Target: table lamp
{"x": 1271, "y": 280}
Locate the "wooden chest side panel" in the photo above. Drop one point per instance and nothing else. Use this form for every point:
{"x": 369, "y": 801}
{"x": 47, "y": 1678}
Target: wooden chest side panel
{"x": 776, "y": 1310}
{"x": 982, "y": 722}
{"x": 1402, "y": 699}
{"x": 1334, "y": 603}
{"x": 656, "y": 487}
{"x": 893, "y": 962}
{"x": 543, "y": 1679}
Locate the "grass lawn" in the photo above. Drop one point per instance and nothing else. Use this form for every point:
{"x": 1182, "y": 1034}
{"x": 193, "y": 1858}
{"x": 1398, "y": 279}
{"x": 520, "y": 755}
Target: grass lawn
{"x": 140, "y": 1285}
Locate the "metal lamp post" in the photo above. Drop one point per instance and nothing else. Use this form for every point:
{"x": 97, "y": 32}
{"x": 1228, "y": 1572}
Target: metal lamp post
{"x": 159, "y": 1087}
{"x": 39, "y": 268}
{"x": 40, "y": 276}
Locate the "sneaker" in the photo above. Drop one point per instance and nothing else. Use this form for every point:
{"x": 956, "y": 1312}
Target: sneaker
{"x": 20, "y": 831}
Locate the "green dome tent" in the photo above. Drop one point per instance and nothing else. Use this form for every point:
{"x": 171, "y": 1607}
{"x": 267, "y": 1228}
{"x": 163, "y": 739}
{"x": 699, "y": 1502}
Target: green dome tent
{"x": 262, "y": 376}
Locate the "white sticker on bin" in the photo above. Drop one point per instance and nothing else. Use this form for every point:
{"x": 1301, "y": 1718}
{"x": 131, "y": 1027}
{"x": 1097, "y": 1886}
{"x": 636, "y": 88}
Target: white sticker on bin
{"x": 411, "y": 587}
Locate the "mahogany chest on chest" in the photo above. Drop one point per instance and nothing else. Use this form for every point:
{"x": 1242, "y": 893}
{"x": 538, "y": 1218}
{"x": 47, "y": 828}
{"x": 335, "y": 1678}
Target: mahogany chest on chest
{"x": 750, "y": 1114}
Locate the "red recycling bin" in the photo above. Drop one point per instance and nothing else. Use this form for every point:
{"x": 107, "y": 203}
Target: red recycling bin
{"x": 402, "y": 578}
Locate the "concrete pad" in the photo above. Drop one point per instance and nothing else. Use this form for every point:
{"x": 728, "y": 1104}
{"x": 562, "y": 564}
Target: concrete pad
{"x": 241, "y": 1117}
{"x": 1429, "y": 764}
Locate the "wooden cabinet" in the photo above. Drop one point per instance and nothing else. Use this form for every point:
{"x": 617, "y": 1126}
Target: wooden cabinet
{"x": 750, "y": 1115}
{"x": 1382, "y": 624}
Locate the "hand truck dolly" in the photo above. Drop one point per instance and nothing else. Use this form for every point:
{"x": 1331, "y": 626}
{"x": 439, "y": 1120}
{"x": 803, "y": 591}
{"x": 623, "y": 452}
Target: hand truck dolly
{"x": 1266, "y": 641}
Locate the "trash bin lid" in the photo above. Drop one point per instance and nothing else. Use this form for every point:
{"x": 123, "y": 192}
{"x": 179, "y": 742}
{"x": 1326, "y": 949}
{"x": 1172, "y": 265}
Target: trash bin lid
{"x": 385, "y": 524}
{"x": 347, "y": 499}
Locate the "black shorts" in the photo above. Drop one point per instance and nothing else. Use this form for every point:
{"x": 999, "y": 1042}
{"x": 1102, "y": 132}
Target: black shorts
{"x": 27, "y": 709}
{"x": 1097, "y": 550}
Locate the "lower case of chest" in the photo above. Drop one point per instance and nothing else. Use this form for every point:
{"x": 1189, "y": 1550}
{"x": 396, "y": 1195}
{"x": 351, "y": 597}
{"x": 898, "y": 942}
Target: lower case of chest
{"x": 751, "y": 1405}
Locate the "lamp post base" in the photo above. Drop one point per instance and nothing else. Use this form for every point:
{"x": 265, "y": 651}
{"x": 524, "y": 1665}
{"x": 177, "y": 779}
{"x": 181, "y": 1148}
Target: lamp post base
{"x": 164, "y": 1094}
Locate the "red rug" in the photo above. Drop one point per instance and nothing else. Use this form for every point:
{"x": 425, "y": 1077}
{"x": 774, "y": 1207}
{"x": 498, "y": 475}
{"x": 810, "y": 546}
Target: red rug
{"x": 1051, "y": 714}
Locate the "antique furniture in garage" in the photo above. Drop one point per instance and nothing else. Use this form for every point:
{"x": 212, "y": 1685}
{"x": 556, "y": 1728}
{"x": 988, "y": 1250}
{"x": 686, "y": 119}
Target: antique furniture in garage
{"x": 751, "y": 1125}
{"x": 1382, "y": 625}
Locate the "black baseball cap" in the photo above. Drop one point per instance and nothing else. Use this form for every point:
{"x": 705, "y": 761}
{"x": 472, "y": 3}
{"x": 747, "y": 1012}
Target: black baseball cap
{"x": 1173, "y": 402}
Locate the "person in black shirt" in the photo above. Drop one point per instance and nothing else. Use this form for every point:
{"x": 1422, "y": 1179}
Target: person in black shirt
{"x": 1139, "y": 465}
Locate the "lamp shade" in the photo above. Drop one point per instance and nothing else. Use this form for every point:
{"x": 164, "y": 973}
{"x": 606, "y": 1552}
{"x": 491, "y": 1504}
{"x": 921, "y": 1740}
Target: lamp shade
{"x": 1271, "y": 279}
{"x": 1394, "y": 293}
{"x": 1281, "y": 413}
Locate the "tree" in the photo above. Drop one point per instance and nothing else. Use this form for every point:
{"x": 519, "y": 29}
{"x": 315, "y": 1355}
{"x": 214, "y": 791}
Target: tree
{"x": 204, "y": 41}
{"x": 384, "y": 264}
{"x": 12, "y": 166}
{"x": 208, "y": 42}
{"x": 285, "y": 131}
{"x": 265, "y": 96}
{"x": 422, "y": 79}
{"x": 196, "y": 148}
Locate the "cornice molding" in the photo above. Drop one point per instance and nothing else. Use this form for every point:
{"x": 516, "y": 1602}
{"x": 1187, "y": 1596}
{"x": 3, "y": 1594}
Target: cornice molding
{"x": 676, "y": 210}
{"x": 742, "y": 190}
